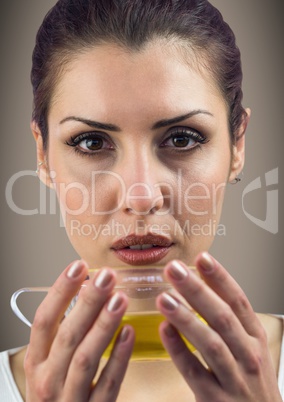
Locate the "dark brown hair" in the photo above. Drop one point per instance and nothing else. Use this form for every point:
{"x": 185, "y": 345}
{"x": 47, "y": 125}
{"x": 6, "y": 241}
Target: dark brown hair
{"x": 74, "y": 26}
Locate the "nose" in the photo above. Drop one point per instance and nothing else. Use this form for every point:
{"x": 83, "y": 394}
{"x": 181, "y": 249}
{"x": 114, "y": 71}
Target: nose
{"x": 143, "y": 199}
{"x": 144, "y": 192}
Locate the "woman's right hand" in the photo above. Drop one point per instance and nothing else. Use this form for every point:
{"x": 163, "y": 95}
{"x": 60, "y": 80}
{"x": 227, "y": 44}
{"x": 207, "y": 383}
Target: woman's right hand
{"x": 63, "y": 355}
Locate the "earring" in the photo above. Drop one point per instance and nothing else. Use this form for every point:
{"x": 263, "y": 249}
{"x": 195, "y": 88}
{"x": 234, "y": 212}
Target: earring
{"x": 236, "y": 180}
{"x": 38, "y": 167}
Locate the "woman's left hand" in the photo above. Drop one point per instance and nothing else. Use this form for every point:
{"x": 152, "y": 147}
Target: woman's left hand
{"x": 233, "y": 344}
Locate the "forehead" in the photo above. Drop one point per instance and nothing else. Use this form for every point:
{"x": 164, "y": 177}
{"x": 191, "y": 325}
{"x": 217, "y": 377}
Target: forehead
{"x": 117, "y": 81}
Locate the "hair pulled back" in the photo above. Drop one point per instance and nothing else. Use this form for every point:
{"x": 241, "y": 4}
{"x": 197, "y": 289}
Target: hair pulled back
{"x": 74, "y": 26}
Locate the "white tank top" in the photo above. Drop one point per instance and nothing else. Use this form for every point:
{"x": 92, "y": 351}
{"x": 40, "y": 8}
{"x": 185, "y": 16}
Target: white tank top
{"x": 9, "y": 391}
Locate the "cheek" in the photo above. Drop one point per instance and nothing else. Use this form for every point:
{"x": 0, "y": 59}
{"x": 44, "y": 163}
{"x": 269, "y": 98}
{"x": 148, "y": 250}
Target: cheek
{"x": 99, "y": 193}
{"x": 198, "y": 219}
{"x": 203, "y": 199}
{"x": 204, "y": 185}
{"x": 74, "y": 198}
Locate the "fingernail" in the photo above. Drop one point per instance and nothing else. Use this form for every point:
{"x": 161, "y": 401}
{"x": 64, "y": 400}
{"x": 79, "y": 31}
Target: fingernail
{"x": 206, "y": 263}
{"x": 170, "y": 331}
{"x": 114, "y": 303}
{"x": 122, "y": 337}
{"x": 168, "y": 302}
{"x": 177, "y": 271}
{"x": 75, "y": 269}
{"x": 104, "y": 278}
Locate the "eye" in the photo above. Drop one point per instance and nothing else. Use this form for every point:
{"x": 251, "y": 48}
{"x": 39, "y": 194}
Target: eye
{"x": 183, "y": 138}
{"x": 90, "y": 143}
{"x": 182, "y": 141}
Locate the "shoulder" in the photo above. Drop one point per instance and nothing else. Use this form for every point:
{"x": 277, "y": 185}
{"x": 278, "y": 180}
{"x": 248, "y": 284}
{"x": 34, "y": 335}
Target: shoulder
{"x": 8, "y": 389}
{"x": 274, "y": 327}
{"x": 281, "y": 357}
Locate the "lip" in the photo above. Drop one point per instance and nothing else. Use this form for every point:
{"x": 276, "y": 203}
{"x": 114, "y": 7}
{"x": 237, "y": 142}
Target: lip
{"x": 145, "y": 256}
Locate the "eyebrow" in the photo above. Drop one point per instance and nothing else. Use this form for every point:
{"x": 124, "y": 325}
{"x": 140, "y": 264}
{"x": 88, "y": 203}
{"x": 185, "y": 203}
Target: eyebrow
{"x": 178, "y": 119}
{"x": 92, "y": 123}
{"x": 159, "y": 124}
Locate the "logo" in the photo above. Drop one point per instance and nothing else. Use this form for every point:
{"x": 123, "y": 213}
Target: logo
{"x": 270, "y": 223}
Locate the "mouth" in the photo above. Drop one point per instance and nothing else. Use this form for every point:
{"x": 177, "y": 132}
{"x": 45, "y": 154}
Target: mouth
{"x": 140, "y": 250}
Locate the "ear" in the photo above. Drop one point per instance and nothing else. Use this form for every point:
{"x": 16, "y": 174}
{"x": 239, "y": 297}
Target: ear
{"x": 238, "y": 157}
{"x": 42, "y": 165}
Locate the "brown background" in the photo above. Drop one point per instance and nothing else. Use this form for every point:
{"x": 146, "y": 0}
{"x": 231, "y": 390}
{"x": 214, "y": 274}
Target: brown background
{"x": 34, "y": 249}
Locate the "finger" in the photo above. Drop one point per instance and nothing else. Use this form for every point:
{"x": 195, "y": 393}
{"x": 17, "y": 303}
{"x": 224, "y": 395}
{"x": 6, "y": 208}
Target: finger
{"x": 79, "y": 321}
{"x": 212, "y": 347}
{"x": 218, "y": 314}
{"x": 50, "y": 312}
{"x": 193, "y": 371}
{"x": 108, "y": 385}
{"x": 216, "y": 276}
{"x": 86, "y": 359}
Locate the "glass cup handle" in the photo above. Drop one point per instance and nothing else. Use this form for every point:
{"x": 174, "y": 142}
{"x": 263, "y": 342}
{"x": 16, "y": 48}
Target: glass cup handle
{"x": 15, "y": 307}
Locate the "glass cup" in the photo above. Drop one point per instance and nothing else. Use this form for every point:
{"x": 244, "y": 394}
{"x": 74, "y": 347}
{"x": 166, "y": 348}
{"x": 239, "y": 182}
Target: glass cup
{"x": 142, "y": 285}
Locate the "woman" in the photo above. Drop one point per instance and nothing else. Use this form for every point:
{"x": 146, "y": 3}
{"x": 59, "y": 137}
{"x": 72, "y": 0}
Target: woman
{"x": 139, "y": 126}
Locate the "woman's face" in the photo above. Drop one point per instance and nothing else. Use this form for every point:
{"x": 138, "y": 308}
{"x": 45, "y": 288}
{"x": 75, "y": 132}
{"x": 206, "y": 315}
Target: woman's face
{"x": 139, "y": 151}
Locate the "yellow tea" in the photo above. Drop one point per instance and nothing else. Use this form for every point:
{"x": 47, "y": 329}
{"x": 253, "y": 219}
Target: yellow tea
{"x": 148, "y": 345}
